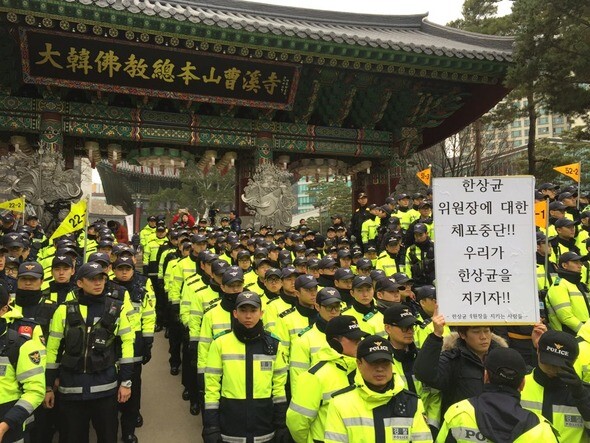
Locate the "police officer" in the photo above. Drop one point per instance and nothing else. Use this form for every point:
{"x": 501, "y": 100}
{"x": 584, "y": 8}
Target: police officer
{"x": 166, "y": 252}
{"x": 404, "y": 212}
{"x": 343, "y": 283}
{"x": 327, "y": 268}
{"x": 30, "y": 301}
{"x": 377, "y": 407}
{"x": 426, "y": 300}
{"x": 386, "y": 294}
{"x": 147, "y": 231}
{"x": 287, "y": 298}
{"x": 363, "y": 307}
{"x": 567, "y": 298}
{"x": 22, "y": 385}
{"x": 218, "y": 316}
{"x": 86, "y": 349}
{"x": 150, "y": 253}
{"x": 360, "y": 215}
{"x": 424, "y": 211}
{"x": 565, "y": 240}
{"x": 334, "y": 370}
{"x": 246, "y": 371}
{"x": 388, "y": 259}
{"x": 185, "y": 268}
{"x": 420, "y": 257}
{"x": 36, "y": 305}
{"x": 554, "y": 389}
{"x": 370, "y": 226}
{"x": 39, "y": 240}
{"x": 304, "y": 349}
{"x": 496, "y": 415}
{"x": 62, "y": 272}
{"x": 199, "y": 298}
{"x": 143, "y": 318}
{"x": 301, "y": 315}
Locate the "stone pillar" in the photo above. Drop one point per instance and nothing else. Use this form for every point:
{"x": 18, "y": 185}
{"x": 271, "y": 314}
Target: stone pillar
{"x": 50, "y": 131}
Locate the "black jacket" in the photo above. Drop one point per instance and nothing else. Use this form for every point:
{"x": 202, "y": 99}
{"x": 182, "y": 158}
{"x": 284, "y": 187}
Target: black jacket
{"x": 451, "y": 367}
{"x": 356, "y": 222}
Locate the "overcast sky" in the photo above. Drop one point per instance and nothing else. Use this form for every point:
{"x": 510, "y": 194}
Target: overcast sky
{"x": 439, "y": 11}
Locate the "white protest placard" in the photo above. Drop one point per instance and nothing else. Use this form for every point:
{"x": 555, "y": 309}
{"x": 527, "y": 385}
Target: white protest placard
{"x": 484, "y": 231}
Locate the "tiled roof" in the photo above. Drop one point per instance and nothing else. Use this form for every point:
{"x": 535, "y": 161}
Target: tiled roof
{"x": 410, "y": 33}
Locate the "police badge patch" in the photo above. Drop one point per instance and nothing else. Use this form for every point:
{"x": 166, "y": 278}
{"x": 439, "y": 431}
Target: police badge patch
{"x": 35, "y": 357}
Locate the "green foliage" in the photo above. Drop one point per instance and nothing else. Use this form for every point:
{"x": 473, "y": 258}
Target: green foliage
{"x": 198, "y": 192}
{"x": 553, "y": 52}
{"x": 480, "y": 16}
{"x": 551, "y": 154}
{"x": 332, "y": 197}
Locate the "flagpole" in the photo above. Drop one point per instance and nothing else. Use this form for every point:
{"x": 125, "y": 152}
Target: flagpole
{"x": 579, "y": 186}
{"x": 23, "y": 214}
{"x": 546, "y": 245}
{"x": 86, "y": 229}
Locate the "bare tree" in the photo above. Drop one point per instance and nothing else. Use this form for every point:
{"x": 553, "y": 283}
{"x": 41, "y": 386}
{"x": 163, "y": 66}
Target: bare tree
{"x": 460, "y": 156}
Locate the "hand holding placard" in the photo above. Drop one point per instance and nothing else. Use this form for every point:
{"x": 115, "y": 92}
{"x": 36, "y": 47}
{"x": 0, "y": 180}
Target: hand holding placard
{"x": 438, "y": 322}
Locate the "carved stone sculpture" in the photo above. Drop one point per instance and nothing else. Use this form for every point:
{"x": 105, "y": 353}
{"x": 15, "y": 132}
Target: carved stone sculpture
{"x": 270, "y": 197}
{"x": 42, "y": 178}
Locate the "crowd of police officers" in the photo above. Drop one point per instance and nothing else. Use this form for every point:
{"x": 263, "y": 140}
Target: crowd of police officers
{"x": 282, "y": 336}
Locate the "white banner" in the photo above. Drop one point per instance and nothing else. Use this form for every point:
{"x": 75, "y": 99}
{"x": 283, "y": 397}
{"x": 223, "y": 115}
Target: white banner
{"x": 485, "y": 250}
{"x": 129, "y": 223}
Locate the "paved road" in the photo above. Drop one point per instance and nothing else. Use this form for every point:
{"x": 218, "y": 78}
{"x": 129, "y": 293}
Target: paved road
{"x": 166, "y": 416}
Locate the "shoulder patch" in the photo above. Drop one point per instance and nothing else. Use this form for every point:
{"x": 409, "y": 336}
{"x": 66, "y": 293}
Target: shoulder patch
{"x": 219, "y": 334}
{"x": 208, "y": 308}
{"x": 200, "y": 288}
{"x": 315, "y": 368}
{"x": 424, "y": 323}
{"x": 304, "y": 331}
{"x": 25, "y": 331}
{"x": 347, "y": 308}
{"x": 214, "y": 301}
{"x": 287, "y": 312}
{"x": 344, "y": 390}
{"x": 35, "y": 357}
{"x": 193, "y": 279}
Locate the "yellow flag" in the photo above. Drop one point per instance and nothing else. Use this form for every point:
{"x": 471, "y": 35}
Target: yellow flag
{"x": 18, "y": 204}
{"x": 75, "y": 220}
{"x": 425, "y": 175}
{"x": 542, "y": 214}
{"x": 573, "y": 171}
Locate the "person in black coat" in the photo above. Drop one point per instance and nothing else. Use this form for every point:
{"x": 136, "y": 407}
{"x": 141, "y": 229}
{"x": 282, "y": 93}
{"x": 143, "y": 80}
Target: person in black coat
{"x": 454, "y": 365}
{"x": 361, "y": 214}
{"x": 235, "y": 222}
